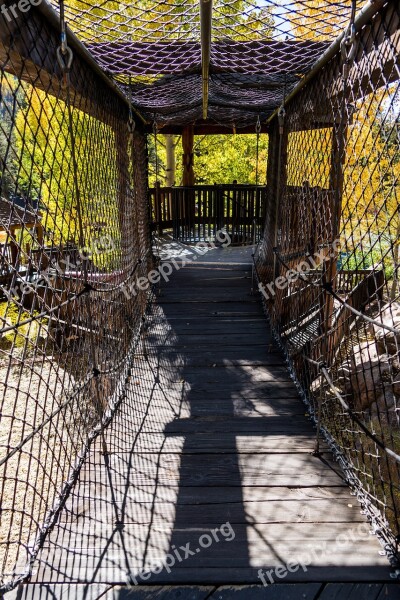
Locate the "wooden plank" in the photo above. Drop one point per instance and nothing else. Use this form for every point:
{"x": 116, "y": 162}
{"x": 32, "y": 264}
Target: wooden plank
{"x": 116, "y": 574}
{"x": 273, "y": 511}
{"x": 228, "y": 339}
{"x": 356, "y": 591}
{"x": 221, "y": 357}
{"x": 256, "y": 407}
{"x": 279, "y": 591}
{"x": 87, "y": 493}
{"x": 167, "y": 592}
{"x": 198, "y": 443}
{"x": 224, "y": 375}
{"x": 202, "y": 443}
{"x": 301, "y": 542}
{"x": 237, "y": 327}
{"x": 389, "y": 592}
{"x": 219, "y": 470}
{"x": 59, "y": 591}
{"x": 184, "y": 427}
{"x": 219, "y": 309}
{"x": 241, "y": 425}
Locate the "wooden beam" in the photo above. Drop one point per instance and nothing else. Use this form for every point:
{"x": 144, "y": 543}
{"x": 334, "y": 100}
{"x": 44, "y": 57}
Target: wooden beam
{"x": 208, "y": 128}
{"x": 188, "y": 155}
{"x": 28, "y": 50}
{"x": 205, "y": 34}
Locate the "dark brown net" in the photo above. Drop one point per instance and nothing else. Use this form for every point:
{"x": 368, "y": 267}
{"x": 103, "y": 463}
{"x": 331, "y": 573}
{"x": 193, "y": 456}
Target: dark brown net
{"x": 74, "y": 221}
{"x": 74, "y": 237}
{"x": 329, "y": 262}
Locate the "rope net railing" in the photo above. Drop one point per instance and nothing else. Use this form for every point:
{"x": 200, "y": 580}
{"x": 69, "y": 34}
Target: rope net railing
{"x": 75, "y": 236}
{"x": 328, "y": 266}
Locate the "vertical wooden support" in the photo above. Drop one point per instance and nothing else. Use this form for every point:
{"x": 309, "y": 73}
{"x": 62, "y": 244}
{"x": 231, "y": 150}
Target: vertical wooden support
{"x": 339, "y": 136}
{"x": 157, "y": 207}
{"x": 142, "y": 208}
{"x": 122, "y": 164}
{"x": 188, "y": 176}
{"x": 205, "y": 35}
{"x": 276, "y": 181}
{"x": 170, "y": 172}
{"x": 171, "y": 162}
{"x": 188, "y": 155}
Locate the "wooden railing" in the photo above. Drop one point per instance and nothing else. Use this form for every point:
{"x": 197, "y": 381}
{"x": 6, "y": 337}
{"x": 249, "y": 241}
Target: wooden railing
{"x": 199, "y": 212}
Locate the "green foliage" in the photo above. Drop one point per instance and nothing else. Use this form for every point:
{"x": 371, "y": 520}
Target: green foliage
{"x": 10, "y": 98}
{"x": 10, "y": 314}
{"x": 226, "y": 158}
{"x": 369, "y": 256}
{"x": 217, "y": 159}
{"x": 43, "y": 146}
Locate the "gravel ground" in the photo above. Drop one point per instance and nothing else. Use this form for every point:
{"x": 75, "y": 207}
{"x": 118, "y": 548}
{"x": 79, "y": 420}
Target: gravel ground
{"x": 30, "y": 391}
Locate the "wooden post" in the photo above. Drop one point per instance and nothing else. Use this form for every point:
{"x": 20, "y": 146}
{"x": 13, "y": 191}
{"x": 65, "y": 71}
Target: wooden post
{"x": 171, "y": 162}
{"x": 126, "y": 212}
{"x": 276, "y": 179}
{"x": 157, "y": 208}
{"x": 142, "y": 208}
{"x": 188, "y": 177}
{"x": 14, "y": 251}
{"x": 187, "y": 157}
{"x": 339, "y": 136}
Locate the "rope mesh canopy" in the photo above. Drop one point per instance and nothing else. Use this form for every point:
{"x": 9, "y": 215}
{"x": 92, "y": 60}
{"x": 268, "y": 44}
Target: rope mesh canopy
{"x": 259, "y": 51}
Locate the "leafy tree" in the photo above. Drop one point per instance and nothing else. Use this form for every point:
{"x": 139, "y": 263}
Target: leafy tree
{"x": 218, "y": 159}
{"x": 45, "y": 160}
{"x": 10, "y": 100}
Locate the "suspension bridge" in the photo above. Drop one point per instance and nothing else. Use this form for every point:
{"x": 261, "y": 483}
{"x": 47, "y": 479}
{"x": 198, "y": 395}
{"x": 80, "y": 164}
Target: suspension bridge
{"x": 200, "y": 384}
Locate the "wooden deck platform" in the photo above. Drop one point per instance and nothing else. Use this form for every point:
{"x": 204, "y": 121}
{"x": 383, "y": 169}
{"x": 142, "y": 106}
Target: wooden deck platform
{"x": 209, "y": 475}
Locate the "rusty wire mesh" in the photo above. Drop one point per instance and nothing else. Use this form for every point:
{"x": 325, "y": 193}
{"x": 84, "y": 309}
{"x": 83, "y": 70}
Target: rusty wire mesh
{"x": 74, "y": 236}
{"x": 329, "y": 262}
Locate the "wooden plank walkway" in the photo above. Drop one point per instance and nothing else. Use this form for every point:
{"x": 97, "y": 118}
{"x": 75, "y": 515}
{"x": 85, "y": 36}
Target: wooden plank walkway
{"x": 209, "y": 468}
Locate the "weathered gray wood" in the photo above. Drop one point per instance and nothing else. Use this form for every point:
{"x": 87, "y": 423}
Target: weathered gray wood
{"x": 390, "y": 591}
{"x": 270, "y": 545}
{"x": 356, "y": 591}
{"x": 160, "y": 593}
{"x": 224, "y": 375}
{"x": 116, "y": 574}
{"x": 219, "y": 470}
{"x": 194, "y": 446}
{"x": 280, "y": 510}
{"x": 307, "y": 591}
{"x": 194, "y": 443}
{"x": 88, "y": 493}
{"x": 254, "y": 592}
{"x": 59, "y": 591}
